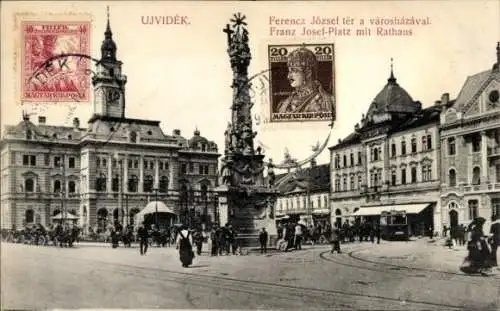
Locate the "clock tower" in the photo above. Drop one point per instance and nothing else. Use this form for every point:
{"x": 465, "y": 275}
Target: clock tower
{"x": 108, "y": 82}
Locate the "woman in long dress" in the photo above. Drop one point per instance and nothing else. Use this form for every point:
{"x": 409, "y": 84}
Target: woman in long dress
{"x": 185, "y": 246}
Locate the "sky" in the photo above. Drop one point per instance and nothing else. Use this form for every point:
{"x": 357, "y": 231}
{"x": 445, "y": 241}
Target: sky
{"x": 180, "y": 74}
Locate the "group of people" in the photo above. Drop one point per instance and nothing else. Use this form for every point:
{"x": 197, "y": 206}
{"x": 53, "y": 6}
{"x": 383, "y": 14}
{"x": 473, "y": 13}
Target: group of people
{"x": 222, "y": 241}
{"x": 482, "y": 249}
{"x": 36, "y": 234}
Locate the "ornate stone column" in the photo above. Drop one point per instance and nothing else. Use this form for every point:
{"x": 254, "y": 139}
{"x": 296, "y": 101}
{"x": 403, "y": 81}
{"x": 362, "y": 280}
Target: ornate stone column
{"x": 156, "y": 183}
{"x": 484, "y": 157}
{"x": 109, "y": 188}
{"x": 140, "y": 187}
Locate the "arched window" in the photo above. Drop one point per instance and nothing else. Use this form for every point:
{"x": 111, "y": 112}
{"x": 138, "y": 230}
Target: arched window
{"x": 163, "y": 184}
{"x": 29, "y": 216}
{"x": 29, "y": 185}
{"x": 452, "y": 205}
{"x": 100, "y": 182}
{"x": 132, "y": 183}
{"x": 57, "y": 186}
{"x": 148, "y": 183}
{"x": 133, "y": 137}
{"x": 413, "y": 145}
{"x": 452, "y": 178}
{"x": 71, "y": 186}
{"x": 476, "y": 175}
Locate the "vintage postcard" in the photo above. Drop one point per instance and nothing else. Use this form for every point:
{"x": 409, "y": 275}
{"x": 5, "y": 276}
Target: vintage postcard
{"x": 257, "y": 155}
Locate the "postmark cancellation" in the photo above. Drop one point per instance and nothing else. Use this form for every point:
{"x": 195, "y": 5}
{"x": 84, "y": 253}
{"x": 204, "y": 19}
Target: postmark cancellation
{"x": 46, "y": 77}
{"x": 302, "y": 82}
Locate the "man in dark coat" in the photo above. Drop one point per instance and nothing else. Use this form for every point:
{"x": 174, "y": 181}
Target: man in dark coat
{"x": 263, "y": 237}
{"x": 143, "y": 235}
{"x": 495, "y": 239}
{"x": 335, "y": 240}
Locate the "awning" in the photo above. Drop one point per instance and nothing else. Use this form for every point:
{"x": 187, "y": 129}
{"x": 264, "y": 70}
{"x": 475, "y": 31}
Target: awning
{"x": 377, "y": 210}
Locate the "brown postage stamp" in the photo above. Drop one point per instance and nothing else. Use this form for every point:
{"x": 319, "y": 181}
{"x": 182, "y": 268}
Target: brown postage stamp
{"x": 302, "y": 82}
{"x": 47, "y": 77}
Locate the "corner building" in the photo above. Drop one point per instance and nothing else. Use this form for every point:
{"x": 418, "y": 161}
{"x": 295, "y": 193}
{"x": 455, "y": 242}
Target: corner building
{"x": 107, "y": 171}
{"x": 470, "y": 140}
{"x": 390, "y": 162}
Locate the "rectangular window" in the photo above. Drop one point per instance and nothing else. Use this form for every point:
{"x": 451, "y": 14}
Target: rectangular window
{"x": 352, "y": 182}
{"x": 26, "y": 159}
{"x": 403, "y": 147}
{"x": 151, "y": 165}
{"x": 352, "y": 159}
{"x": 13, "y": 158}
{"x": 145, "y": 164}
{"x": 424, "y": 143}
{"x": 413, "y": 174}
{"x": 359, "y": 157}
{"x": 393, "y": 150}
{"x": 136, "y": 163}
{"x": 476, "y": 143}
{"x": 473, "y": 206}
{"x": 337, "y": 184}
{"x": 360, "y": 181}
{"x": 129, "y": 163}
{"x": 183, "y": 168}
{"x": 344, "y": 184}
{"x": 191, "y": 167}
{"x": 57, "y": 161}
{"x": 71, "y": 162}
{"x": 413, "y": 145}
{"x": 403, "y": 176}
{"x": 345, "y": 160}
{"x": 46, "y": 159}
{"x": 393, "y": 178}
{"x": 451, "y": 146}
{"x": 32, "y": 160}
{"x": 429, "y": 142}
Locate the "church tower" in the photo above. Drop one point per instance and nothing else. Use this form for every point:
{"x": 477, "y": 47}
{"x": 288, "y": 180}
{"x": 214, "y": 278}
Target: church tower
{"x": 108, "y": 82}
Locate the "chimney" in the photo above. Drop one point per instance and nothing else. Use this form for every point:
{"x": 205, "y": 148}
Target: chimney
{"x": 42, "y": 119}
{"x": 76, "y": 123}
{"x": 177, "y": 132}
{"x": 445, "y": 98}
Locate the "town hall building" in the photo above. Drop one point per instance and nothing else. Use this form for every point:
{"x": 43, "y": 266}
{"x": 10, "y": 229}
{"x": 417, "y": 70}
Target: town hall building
{"x": 108, "y": 170}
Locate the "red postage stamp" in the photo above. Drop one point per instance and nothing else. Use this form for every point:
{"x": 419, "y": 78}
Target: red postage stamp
{"x": 302, "y": 82}
{"x": 46, "y": 76}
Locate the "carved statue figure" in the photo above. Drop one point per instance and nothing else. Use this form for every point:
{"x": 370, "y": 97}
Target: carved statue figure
{"x": 270, "y": 172}
{"x": 227, "y": 135}
{"x": 226, "y": 173}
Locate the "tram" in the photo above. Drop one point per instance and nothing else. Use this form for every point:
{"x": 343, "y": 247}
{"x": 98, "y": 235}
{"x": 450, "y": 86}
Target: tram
{"x": 394, "y": 225}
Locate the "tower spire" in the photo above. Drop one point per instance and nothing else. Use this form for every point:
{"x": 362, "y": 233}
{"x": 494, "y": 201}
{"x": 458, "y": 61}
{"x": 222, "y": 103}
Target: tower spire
{"x": 392, "y": 79}
{"x": 108, "y": 47}
{"x": 108, "y": 33}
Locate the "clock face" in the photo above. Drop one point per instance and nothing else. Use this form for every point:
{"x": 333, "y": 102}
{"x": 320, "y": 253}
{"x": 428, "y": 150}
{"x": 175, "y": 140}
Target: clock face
{"x": 113, "y": 96}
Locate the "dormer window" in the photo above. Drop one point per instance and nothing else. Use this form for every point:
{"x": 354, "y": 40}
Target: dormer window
{"x": 29, "y": 135}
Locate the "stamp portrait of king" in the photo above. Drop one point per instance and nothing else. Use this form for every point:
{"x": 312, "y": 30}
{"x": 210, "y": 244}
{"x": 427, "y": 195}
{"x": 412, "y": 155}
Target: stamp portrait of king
{"x": 302, "y": 83}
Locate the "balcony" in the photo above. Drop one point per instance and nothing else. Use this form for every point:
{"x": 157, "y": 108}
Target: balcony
{"x": 494, "y": 151}
{"x": 486, "y": 187}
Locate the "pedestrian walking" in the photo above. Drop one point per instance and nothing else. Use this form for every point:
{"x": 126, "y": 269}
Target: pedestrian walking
{"x": 143, "y": 235}
{"x": 213, "y": 242}
{"x": 495, "y": 239}
{"x": 198, "y": 241}
{"x": 298, "y": 237}
{"x": 335, "y": 240}
{"x": 263, "y": 238}
{"x": 185, "y": 246}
